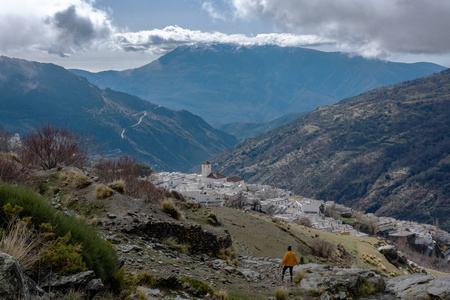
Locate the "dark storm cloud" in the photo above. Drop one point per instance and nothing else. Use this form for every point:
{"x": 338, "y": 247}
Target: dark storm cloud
{"x": 75, "y": 31}
{"x": 56, "y": 26}
{"x": 411, "y": 26}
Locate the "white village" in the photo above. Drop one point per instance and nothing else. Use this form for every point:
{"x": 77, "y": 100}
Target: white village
{"x": 214, "y": 189}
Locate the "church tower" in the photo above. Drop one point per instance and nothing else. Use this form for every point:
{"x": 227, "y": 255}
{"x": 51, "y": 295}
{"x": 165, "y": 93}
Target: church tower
{"x": 206, "y": 169}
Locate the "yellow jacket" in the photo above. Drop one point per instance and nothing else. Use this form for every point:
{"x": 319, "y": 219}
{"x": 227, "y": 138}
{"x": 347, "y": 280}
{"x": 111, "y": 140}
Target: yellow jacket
{"x": 289, "y": 259}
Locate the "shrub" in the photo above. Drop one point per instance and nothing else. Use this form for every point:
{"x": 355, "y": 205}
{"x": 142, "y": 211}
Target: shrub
{"x": 20, "y": 242}
{"x": 148, "y": 192}
{"x": 73, "y": 295}
{"x": 299, "y": 276}
{"x": 118, "y": 185}
{"x": 212, "y": 219}
{"x": 10, "y": 170}
{"x": 49, "y": 146}
{"x": 221, "y": 295}
{"x": 147, "y": 280}
{"x": 144, "y": 170}
{"x": 365, "y": 289}
{"x": 120, "y": 168}
{"x": 102, "y": 191}
{"x": 197, "y": 286}
{"x": 63, "y": 257}
{"x": 75, "y": 177}
{"x": 96, "y": 253}
{"x": 281, "y": 293}
{"x": 183, "y": 248}
{"x": 322, "y": 248}
{"x": 169, "y": 207}
{"x": 125, "y": 168}
{"x": 305, "y": 221}
{"x": 5, "y": 137}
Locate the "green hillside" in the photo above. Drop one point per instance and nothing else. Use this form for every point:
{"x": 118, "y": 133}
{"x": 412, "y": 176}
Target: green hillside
{"x": 31, "y": 93}
{"x": 385, "y": 151}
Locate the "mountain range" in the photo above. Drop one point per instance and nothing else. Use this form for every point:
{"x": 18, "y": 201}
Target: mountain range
{"x": 32, "y": 93}
{"x": 248, "y": 129}
{"x": 386, "y": 152}
{"x": 225, "y": 83}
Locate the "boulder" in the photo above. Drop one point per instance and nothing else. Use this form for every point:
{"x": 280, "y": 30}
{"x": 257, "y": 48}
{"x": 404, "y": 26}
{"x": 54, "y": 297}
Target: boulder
{"x": 83, "y": 281}
{"x": 14, "y": 283}
{"x": 339, "y": 281}
{"x": 440, "y": 288}
{"x": 392, "y": 255}
{"x": 408, "y": 285}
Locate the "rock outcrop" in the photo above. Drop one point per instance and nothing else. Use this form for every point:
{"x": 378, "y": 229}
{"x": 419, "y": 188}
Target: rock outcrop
{"x": 397, "y": 258}
{"x": 14, "y": 283}
{"x": 83, "y": 281}
{"x": 419, "y": 286}
{"x": 339, "y": 282}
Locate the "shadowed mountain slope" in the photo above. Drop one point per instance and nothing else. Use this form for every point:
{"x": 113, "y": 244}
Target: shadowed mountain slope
{"x": 385, "y": 151}
{"x": 225, "y": 83}
{"x": 31, "y": 93}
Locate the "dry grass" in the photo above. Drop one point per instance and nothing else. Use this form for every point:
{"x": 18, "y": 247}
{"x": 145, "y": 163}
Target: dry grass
{"x": 221, "y": 295}
{"x": 169, "y": 207}
{"x": 299, "y": 276}
{"x": 102, "y": 191}
{"x": 142, "y": 293}
{"x": 20, "y": 242}
{"x": 247, "y": 229}
{"x": 118, "y": 185}
{"x": 281, "y": 293}
{"x": 76, "y": 178}
{"x": 183, "y": 248}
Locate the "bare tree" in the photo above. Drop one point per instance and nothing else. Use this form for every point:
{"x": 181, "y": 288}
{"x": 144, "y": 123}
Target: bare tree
{"x": 49, "y": 146}
{"x": 305, "y": 221}
{"x": 5, "y": 140}
{"x": 125, "y": 168}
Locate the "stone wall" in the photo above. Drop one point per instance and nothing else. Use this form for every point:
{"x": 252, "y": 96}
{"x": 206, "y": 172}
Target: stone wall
{"x": 198, "y": 239}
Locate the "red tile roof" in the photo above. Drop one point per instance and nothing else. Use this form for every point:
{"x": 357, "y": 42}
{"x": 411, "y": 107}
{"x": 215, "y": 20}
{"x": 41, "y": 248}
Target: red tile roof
{"x": 216, "y": 176}
{"x": 234, "y": 179}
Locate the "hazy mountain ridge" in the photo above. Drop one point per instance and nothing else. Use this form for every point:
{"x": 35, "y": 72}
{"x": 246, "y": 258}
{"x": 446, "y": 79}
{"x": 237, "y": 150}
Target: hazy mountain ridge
{"x": 229, "y": 83}
{"x": 386, "y": 151}
{"x": 31, "y": 93}
{"x": 249, "y": 129}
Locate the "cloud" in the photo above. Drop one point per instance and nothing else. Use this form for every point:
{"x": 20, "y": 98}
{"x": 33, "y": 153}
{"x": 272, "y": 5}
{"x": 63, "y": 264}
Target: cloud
{"x": 209, "y": 8}
{"x": 373, "y": 27}
{"x": 160, "y": 41}
{"x": 55, "y": 26}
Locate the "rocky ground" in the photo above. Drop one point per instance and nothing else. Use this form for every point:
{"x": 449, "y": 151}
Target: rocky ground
{"x": 249, "y": 277}
{"x": 231, "y": 251}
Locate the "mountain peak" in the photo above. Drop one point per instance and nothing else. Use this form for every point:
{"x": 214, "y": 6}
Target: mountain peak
{"x": 226, "y": 83}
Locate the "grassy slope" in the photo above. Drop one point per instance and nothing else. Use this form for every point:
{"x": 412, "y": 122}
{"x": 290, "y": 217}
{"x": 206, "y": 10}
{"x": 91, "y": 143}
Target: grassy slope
{"x": 257, "y": 235}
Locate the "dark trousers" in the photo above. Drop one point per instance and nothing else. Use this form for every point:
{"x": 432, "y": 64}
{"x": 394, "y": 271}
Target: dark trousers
{"x": 284, "y": 270}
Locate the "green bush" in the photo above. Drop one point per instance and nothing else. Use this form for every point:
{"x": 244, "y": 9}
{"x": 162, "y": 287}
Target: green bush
{"x": 64, "y": 258}
{"x": 200, "y": 287}
{"x": 97, "y": 254}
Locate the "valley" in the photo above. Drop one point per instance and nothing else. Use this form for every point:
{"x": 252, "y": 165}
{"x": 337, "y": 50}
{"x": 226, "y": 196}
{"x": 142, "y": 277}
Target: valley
{"x": 225, "y": 83}
{"x": 383, "y": 152}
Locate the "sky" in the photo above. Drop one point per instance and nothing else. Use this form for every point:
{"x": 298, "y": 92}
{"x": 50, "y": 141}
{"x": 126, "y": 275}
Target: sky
{"x": 123, "y": 34}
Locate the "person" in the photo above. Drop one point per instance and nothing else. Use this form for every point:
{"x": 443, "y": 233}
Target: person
{"x": 288, "y": 262}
